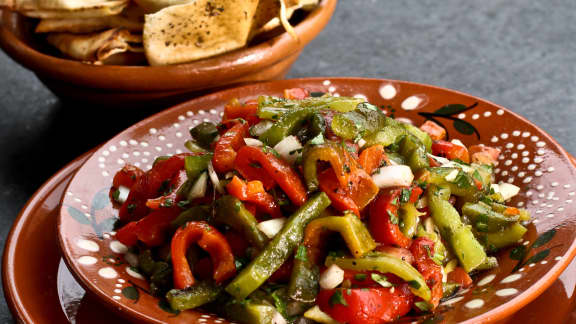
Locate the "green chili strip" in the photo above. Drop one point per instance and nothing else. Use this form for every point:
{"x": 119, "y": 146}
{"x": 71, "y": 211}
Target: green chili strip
{"x": 279, "y": 249}
{"x": 231, "y": 211}
{"x": 386, "y": 263}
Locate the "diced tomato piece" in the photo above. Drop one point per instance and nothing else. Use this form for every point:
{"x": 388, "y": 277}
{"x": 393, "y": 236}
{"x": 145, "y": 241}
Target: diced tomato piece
{"x": 435, "y": 131}
{"x": 460, "y": 277}
{"x": 484, "y": 154}
{"x": 127, "y": 176}
{"x": 296, "y": 93}
{"x": 450, "y": 151}
{"x": 366, "y": 305}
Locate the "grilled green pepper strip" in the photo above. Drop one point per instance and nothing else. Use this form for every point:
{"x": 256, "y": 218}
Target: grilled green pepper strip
{"x": 341, "y": 104}
{"x": 363, "y": 121}
{"x": 461, "y": 185}
{"x": 460, "y": 237}
{"x": 350, "y": 227}
{"x": 420, "y": 134}
{"x": 409, "y": 216}
{"x": 483, "y": 173}
{"x": 204, "y": 133}
{"x": 193, "y": 147}
{"x": 196, "y": 164}
{"x": 501, "y": 239}
{"x": 485, "y": 219}
{"x": 272, "y": 113}
{"x": 231, "y": 211}
{"x": 414, "y": 151}
{"x": 524, "y": 215}
{"x": 194, "y": 213}
{"x": 385, "y": 263}
{"x": 303, "y": 285}
{"x": 279, "y": 249}
{"x": 323, "y": 152}
{"x": 440, "y": 252}
{"x": 201, "y": 293}
{"x": 290, "y": 123}
{"x": 250, "y": 311}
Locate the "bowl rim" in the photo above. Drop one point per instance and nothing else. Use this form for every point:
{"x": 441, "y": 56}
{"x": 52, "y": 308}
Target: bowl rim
{"x": 495, "y": 314}
{"x": 207, "y": 72}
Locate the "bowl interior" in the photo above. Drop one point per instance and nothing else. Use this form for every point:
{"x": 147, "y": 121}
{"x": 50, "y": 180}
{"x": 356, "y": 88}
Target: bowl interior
{"x": 530, "y": 159}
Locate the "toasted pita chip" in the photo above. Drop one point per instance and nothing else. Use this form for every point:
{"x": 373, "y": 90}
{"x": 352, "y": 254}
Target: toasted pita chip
{"x": 197, "y": 30}
{"x": 87, "y": 25}
{"x": 272, "y": 13}
{"x": 65, "y": 8}
{"x": 96, "y": 46}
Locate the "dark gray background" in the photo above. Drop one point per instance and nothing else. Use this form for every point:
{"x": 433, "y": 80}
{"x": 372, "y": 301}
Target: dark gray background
{"x": 517, "y": 53}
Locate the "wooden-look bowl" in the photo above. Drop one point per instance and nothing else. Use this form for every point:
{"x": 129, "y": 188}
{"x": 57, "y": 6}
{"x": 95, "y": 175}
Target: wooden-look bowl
{"x": 133, "y": 86}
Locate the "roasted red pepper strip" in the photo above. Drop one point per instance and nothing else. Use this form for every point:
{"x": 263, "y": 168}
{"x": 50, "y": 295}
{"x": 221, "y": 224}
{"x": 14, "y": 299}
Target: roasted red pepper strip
{"x": 372, "y": 157}
{"x": 247, "y": 111}
{"x": 339, "y": 196}
{"x": 366, "y": 305}
{"x": 254, "y": 192}
{"x": 274, "y": 168}
{"x": 296, "y": 93}
{"x": 225, "y": 149}
{"x": 253, "y": 171}
{"x": 383, "y": 222}
{"x": 211, "y": 241}
{"x": 148, "y": 186}
{"x": 127, "y": 176}
{"x": 460, "y": 277}
{"x": 150, "y": 230}
{"x": 422, "y": 249}
{"x": 450, "y": 151}
{"x": 171, "y": 198}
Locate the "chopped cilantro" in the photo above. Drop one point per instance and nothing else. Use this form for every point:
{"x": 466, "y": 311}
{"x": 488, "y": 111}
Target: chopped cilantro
{"x": 317, "y": 140}
{"x": 255, "y": 165}
{"x": 422, "y": 305}
{"x": 360, "y": 276}
{"x": 183, "y": 203}
{"x": 116, "y": 195}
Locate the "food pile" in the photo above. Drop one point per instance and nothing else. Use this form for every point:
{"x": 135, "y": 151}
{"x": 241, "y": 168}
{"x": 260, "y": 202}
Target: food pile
{"x": 159, "y": 32}
{"x": 312, "y": 208}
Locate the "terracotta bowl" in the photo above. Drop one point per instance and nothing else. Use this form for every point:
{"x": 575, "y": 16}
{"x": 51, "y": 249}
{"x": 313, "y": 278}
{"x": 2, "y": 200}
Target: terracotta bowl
{"x": 131, "y": 86}
{"x": 530, "y": 159}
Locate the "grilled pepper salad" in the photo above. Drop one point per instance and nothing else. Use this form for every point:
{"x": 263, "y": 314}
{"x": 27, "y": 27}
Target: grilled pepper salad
{"x": 310, "y": 209}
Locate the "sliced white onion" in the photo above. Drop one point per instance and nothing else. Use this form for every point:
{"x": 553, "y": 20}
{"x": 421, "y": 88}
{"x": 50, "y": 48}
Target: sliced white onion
{"x": 123, "y": 193}
{"x": 507, "y": 190}
{"x": 452, "y": 175}
{"x": 361, "y": 142}
{"x": 445, "y": 163}
{"x": 271, "y": 227}
{"x": 331, "y": 277}
{"x": 458, "y": 142}
{"x": 199, "y": 188}
{"x": 392, "y": 176}
{"x": 253, "y": 142}
{"x": 278, "y": 319}
{"x": 288, "y": 148}
{"x": 214, "y": 178}
{"x": 261, "y": 127}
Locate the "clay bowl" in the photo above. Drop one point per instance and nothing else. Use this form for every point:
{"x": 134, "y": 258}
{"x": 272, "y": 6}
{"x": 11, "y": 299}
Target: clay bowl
{"x": 132, "y": 86}
{"x": 530, "y": 159}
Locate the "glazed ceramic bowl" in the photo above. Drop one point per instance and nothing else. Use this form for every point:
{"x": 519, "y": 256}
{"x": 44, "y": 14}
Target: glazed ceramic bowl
{"x": 530, "y": 159}
{"x": 131, "y": 86}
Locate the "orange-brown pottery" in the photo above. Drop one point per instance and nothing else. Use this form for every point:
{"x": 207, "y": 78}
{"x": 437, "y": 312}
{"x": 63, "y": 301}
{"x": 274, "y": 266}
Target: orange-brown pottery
{"x": 530, "y": 159}
{"x": 131, "y": 86}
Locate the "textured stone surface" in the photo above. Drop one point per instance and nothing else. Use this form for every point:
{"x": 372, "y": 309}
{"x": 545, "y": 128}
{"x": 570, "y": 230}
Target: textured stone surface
{"x": 517, "y": 53}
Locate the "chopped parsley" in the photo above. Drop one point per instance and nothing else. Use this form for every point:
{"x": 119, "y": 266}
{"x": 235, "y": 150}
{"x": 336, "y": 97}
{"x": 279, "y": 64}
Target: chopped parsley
{"x": 301, "y": 254}
{"x": 381, "y": 280}
{"x": 360, "y": 277}
{"x": 422, "y": 305}
{"x": 414, "y": 284}
{"x": 405, "y": 195}
{"x": 337, "y": 299}
{"x": 393, "y": 218}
